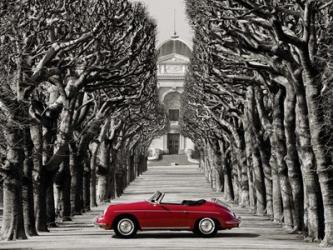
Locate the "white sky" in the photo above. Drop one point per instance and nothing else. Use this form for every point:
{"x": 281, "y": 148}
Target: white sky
{"x": 163, "y": 12}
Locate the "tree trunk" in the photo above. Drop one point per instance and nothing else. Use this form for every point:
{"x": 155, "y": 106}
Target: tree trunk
{"x": 244, "y": 199}
{"x": 258, "y": 182}
{"x": 269, "y": 161}
{"x": 62, "y": 191}
{"x": 137, "y": 167}
{"x": 50, "y": 204}
{"x": 219, "y": 176}
{"x": 227, "y": 173}
{"x": 49, "y": 134}
{"x": 102, "y": 172}
{"x": 57, "y": 188}
{"x": 135, "y": 163}
{"x": 216, "y": 161}
{"x": 206, "y": 162}
{"x": 76, "y": 180}
{"x": 319, "y": 133}
{"x": 238, "y": 170}
{"x": 132, "y": 167}
{"x": 12, "y": 221}
{"x": 277, "y": 198}
{"x": 219, "y": 167}
{"x": 292, "y": 161}
{"x": 267, "y": 173}
{"x": 259, "y": 142}
{"x": 84, "y": 172}
{"x": 27, "y": 192}
{"x": 66, "y": 192}
{"x": 280, "y": 152}
{"x": 113, "y": 170}
{"x": 253, "y": 124}
{"x": 266, "y": 141}
{"x": 93, "y": 163}
{"x": 308, "y": 164}
{"x": 252, "y": 198}
{"x": 39, "y": 176}
{"x": 145, "y": 162}
{"x": 241, "y": 159}
{"x": 86, "y": 185}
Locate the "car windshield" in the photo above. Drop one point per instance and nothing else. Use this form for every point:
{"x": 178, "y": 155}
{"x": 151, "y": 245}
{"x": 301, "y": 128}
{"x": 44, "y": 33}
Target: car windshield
{"x": 156, "y": 196}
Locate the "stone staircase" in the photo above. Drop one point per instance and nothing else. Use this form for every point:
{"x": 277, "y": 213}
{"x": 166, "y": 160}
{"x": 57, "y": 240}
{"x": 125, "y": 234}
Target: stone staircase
{"x": 169, "y": 160}
{"x": 179, "y": 182}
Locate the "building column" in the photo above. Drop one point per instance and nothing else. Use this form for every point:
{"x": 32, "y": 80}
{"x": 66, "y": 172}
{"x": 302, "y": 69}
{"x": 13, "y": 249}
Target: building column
{"x": 165, "y": 144}
{"x": 181, "y": 144}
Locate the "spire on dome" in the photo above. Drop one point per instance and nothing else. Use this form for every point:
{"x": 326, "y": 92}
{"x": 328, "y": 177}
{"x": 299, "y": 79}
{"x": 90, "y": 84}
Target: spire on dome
{"x": 175, "y": 36}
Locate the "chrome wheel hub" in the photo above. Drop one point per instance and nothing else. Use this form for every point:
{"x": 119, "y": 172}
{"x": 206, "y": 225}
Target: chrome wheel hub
{"x": 125, "y": 226}
{"x": 206, "y": 226}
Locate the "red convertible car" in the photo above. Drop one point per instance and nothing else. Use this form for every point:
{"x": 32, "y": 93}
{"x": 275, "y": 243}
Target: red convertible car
{"x": 200, "y": 216}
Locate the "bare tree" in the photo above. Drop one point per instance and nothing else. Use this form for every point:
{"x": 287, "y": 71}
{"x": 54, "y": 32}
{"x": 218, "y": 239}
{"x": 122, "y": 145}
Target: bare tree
{"x": 275, "y": 49}
{"x": 70, "y": 72}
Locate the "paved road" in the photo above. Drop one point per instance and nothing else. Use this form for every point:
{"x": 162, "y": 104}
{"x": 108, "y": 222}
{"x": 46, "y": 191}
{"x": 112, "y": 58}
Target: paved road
{"x": 180, "y": 182}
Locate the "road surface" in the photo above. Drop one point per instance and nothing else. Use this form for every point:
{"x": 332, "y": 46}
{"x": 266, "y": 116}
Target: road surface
{"x": 180, "y": 182}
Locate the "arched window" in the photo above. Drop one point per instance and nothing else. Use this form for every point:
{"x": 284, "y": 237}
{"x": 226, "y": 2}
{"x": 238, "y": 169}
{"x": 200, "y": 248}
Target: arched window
{"x": 174, "y": 115}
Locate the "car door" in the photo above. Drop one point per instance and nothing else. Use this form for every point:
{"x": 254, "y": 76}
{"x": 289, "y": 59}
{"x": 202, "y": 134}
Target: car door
{"x": 177, "y": 216}
{"x": 164, "y": 216}
{"x": 155, "y": 216}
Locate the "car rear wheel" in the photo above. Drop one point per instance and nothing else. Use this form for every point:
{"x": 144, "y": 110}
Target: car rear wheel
{"x": 125, "y": 227}
{"x": 206, "y": 227}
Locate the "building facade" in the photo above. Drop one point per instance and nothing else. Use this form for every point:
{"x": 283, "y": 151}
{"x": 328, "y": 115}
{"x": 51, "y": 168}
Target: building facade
{"x": 173, "y": 59}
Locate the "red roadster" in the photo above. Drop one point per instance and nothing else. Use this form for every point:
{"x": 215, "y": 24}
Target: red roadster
{"x": 200, "y": 216}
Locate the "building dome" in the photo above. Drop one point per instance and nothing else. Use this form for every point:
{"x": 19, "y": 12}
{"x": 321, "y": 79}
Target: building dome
{"x": 174, "y": 46}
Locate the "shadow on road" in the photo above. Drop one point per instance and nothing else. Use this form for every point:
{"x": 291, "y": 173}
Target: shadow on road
{"x": 189, "y": 235}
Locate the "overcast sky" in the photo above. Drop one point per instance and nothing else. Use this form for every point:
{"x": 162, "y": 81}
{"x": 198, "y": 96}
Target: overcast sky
{"x": 163, "y": 12}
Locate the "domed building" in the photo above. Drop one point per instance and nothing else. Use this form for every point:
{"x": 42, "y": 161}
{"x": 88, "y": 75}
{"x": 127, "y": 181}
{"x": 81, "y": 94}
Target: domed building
{"x": 173, "y": 59}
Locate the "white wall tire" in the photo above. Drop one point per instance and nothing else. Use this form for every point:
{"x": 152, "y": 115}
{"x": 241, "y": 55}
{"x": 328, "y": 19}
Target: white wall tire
{"x": 125, "y": 227}
{"x": 207, "y": 227}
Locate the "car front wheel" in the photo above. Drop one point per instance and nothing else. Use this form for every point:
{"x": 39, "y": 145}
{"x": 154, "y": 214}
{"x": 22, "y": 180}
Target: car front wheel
{"x": 125, "y": 228}
{"x": 206, "y": 227}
